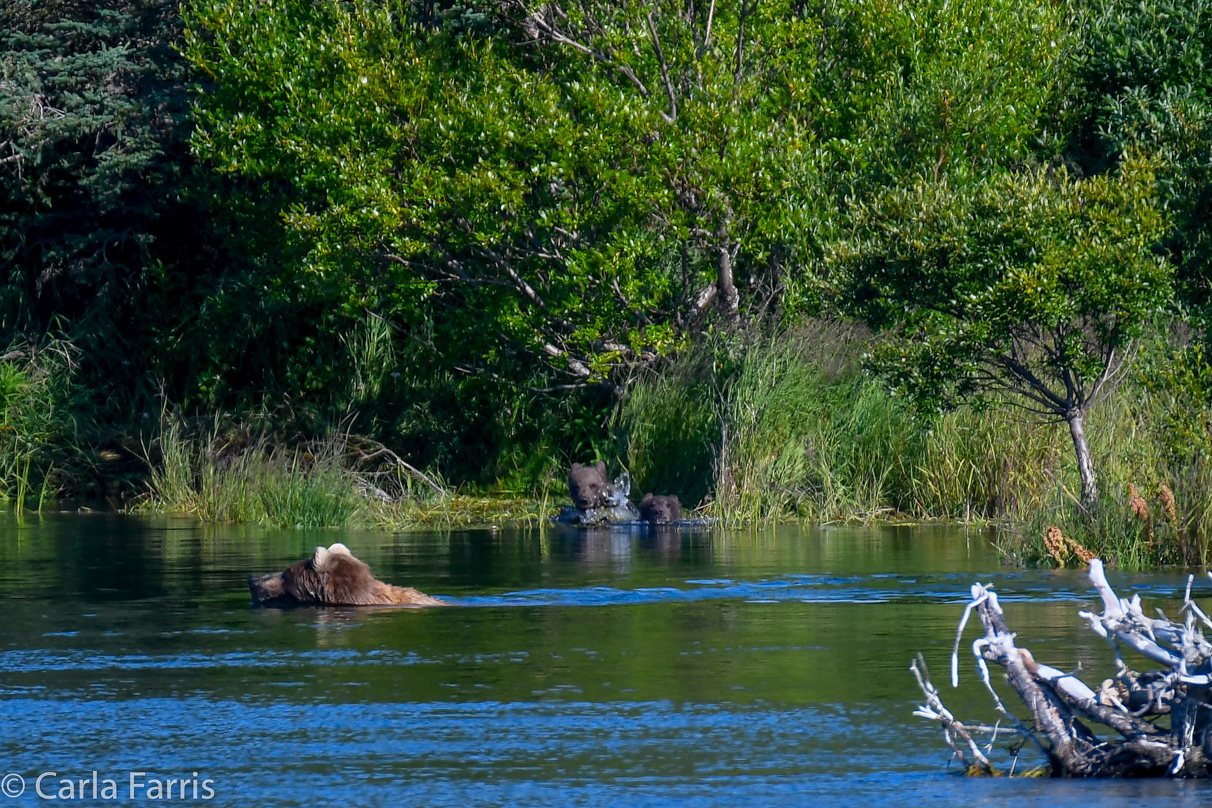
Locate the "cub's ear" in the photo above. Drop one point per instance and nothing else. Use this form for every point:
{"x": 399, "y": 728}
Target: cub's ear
{"x": 320, "y": 559}
{"x": 601, "y": 467}
{"x": 646, "y": 500}
{"x": 576, "y": 466}
{"x": 339, "y": 549}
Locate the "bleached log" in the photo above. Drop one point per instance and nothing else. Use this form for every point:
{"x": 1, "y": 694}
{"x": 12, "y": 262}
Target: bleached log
{"x": 1063, "y": 708}
{"x": 934, "y": 710}
{"x": 1112, "y": 608}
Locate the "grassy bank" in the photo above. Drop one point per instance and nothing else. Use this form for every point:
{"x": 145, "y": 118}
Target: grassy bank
{"x": 227, "y": 472}
{"x": 775, "y": 428}
{"x": 34, "y": 424}
{"x": 791, "y": 427}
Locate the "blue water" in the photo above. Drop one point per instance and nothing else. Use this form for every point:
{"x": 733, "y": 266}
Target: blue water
{"x": 597, "y": 669}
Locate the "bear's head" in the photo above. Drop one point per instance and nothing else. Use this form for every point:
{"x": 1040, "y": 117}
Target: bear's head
{"x": 588, "y": 486}
{"x": 660, "y": 510}
{"x": 331, "y": 576}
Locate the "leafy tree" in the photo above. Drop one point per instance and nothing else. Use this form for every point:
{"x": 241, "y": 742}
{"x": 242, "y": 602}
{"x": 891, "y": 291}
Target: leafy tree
{"x": 558, "y": 188}
{"x": 1032, "y": 283}
{"x": 939, "y": 88}
{"x": 165, "y": 276}
{"x": 1144, "y": 81}
{"x": 94, "y": 131}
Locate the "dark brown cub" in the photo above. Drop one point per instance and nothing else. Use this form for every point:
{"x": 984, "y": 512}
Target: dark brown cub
{"x": 588, "y": 486}
{"x": 660, "y": 510}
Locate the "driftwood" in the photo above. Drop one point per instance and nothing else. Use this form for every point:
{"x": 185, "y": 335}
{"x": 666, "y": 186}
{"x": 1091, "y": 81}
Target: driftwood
{"x": 1155, "y": 723}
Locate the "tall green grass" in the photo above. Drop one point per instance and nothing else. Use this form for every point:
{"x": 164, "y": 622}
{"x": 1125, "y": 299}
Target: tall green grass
{"x": 220, "y": 474}
{"x": 791, "y": 427}
{"x": 796, "y": 440}
{"x": 752, "y": 430}
{"x": 237, "y": 472}
{"x": 794, "y": 428}
{"x": 1151, "y": 437}
{"x": 669, "y": 426}
{"x": 33, "y": 382}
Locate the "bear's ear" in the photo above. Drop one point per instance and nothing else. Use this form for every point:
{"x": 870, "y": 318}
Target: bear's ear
{"x": 601, "y": 467}
{"x": 319, "y": 559}
{"x": 646, "y": 500}
{"x": 576, "y": 466}
{"x": 339, "y": 548}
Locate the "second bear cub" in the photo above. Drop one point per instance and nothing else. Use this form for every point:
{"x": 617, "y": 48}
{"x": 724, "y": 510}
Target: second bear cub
{"x": 660, "y": 510}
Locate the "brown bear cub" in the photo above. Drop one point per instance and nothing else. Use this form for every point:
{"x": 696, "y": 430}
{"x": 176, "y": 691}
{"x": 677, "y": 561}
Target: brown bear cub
{"x": 588, "y": 486}
{"x": 660, "y": 510}
{"x": 332, "y": 577}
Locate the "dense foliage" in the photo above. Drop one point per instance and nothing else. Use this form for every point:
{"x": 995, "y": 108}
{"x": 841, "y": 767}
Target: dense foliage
{"x": 94, "y": 156}
{"x": 541, "y": 213}
{"x": 469, "y": 230}
{"x": 1027, "y": 283}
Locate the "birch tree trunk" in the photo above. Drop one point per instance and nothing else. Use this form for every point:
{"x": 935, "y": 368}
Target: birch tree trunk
{"x": 728, "y": 298}
{"x": 1085, "y": 465}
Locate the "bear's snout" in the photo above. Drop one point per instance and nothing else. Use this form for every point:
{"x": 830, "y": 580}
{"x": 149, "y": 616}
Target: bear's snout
{"x": 588, "y": 486}
{"x": 589, "y": 497}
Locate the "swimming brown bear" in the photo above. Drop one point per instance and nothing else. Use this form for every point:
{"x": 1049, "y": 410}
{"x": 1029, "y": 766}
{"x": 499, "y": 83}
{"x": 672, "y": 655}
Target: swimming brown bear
{"x": 332, "y": 577}
{"x": 660, "y": 510}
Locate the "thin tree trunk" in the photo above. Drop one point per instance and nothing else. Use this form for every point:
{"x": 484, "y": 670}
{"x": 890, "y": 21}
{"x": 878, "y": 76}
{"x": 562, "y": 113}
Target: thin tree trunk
{"x": 1085, "y": 465}
{"x": 728, "y": 298}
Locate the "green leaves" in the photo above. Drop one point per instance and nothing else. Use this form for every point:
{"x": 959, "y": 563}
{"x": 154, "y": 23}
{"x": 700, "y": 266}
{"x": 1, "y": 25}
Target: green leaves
{"x": 1143, "y": 83}
{"x": 1030, "y": 280}
{"x": 561, "y": 202}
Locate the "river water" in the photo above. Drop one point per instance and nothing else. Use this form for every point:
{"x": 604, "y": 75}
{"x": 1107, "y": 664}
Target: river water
{"x": 603, "y": 668}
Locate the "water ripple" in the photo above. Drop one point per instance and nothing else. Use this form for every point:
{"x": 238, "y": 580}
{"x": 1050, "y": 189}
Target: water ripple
{"x": 941, "y": 588}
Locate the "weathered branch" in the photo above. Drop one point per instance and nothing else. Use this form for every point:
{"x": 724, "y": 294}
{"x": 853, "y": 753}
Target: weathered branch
{"x": 934, "y": 710}
{"x": 707, "y": 33}
{"x": 1063, "y": 708}
{"x": 382, "y": 452}
{"x": 1023, "y": 372}
{"x": 519, "y": 282}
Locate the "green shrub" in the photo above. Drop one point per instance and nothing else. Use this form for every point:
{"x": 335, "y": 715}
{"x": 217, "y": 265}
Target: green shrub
{"x": 223, "y": 475}
{"x": 34, "y": 383}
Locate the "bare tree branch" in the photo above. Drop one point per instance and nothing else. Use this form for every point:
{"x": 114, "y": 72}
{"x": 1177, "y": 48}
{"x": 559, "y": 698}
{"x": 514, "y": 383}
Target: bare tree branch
{"x": 672, "y": 115}
{"x": 539, "y": 23}
{"x": 1061, "y": 705}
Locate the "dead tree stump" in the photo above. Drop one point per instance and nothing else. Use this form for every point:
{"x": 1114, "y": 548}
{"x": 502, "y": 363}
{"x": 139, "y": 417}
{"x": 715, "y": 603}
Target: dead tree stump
{"x": 1157, "y": 722}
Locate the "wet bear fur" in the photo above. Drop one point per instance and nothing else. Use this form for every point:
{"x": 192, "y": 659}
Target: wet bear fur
{"x": 660, "y": 510}
{"x": 332, "y": 577}
{"x": 588, "y": 486}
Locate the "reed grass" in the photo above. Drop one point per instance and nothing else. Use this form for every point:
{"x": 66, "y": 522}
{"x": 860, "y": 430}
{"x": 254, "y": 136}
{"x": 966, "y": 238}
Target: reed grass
{"x": 33, "y": 381}
{"x": 220, "y": 475}
{"x": 796, "y": 442}
{"x": 795, "y": 430}
{"x": 227, "y": 472}
{"x": 778, "y": 428}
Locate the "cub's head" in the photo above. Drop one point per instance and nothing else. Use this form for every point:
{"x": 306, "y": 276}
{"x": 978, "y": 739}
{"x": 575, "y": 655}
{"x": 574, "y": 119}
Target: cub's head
{"x": 660, "y": 510}
{"x": 588, "y": 486}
